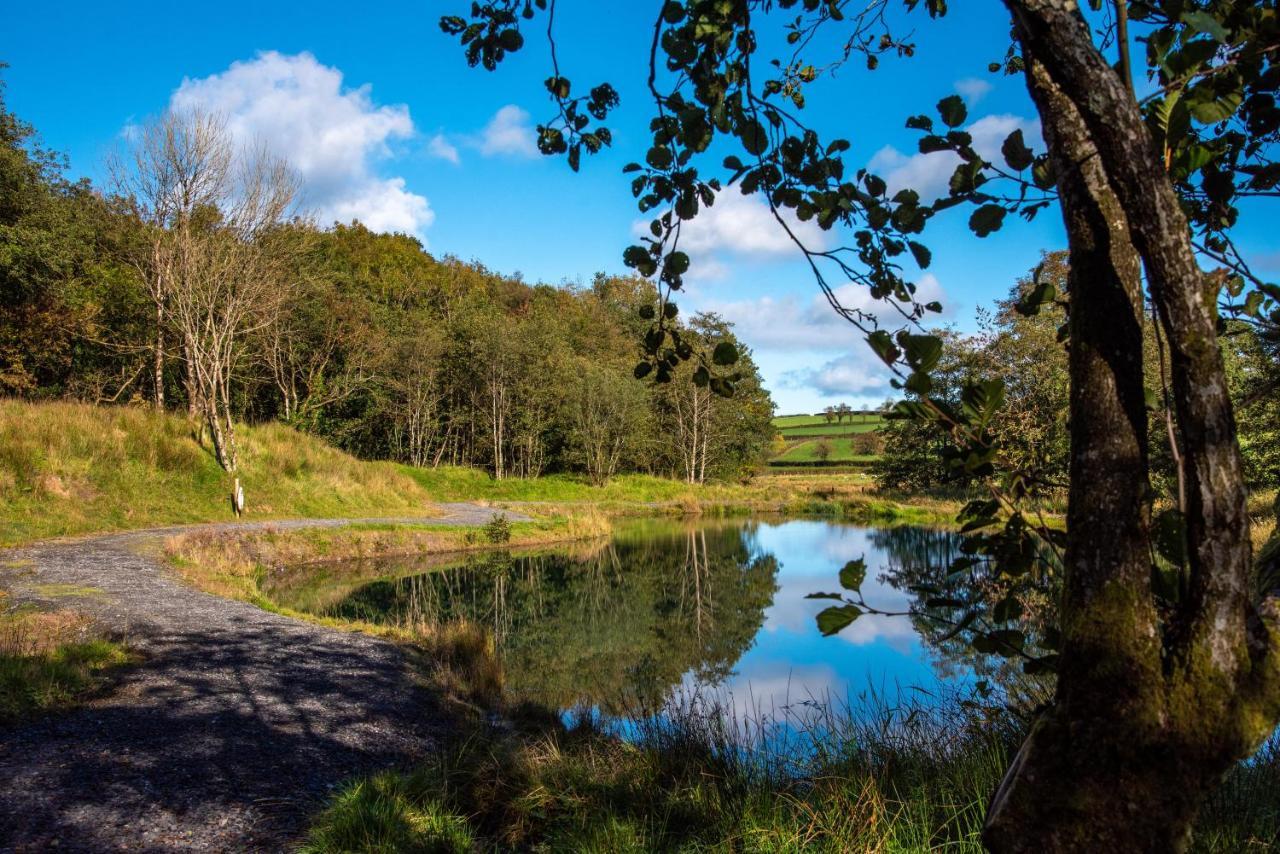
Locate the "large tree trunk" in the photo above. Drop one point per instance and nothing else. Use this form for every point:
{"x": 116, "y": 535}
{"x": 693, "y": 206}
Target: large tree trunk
{"x": 1148, "y": 716}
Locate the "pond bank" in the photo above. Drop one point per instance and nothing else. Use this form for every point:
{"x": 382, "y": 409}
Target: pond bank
{"x": 231, "y": 730}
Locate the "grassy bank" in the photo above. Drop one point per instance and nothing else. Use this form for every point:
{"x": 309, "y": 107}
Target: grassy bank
{"x": 233, "y": 564}
{"x": 51, "y": 660}
{"x": 880, "y": 777}
{"x": 69, "y": 468}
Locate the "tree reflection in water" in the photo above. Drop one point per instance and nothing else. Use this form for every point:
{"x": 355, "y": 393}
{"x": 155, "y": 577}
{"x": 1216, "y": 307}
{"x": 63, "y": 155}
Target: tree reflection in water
{"x": 617, "y": 630}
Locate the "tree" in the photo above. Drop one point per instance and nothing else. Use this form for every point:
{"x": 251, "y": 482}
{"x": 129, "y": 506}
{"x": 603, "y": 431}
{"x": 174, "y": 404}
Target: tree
{"x": 1156, "y": 697}
{"x": 822, "y": 450}
{"x": 215, "y": 260}
{"x": 609, "y": 419}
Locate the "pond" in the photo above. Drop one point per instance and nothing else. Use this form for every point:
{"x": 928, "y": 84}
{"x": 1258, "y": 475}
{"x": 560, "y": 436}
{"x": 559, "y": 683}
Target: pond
{"x": 664, "y": 608}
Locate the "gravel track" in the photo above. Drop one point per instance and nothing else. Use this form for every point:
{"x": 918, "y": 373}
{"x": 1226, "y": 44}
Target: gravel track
{"x": 233, "y": 728}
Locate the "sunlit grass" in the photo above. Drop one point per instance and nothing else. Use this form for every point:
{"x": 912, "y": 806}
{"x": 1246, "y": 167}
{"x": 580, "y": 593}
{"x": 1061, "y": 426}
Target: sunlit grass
{"x": 70, "y": 468}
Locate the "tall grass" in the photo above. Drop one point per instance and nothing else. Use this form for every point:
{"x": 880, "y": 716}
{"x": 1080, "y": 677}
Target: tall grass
{"x": 68, "y": 468}
{"x": 913, "y": 775}
{"x": 699, "y": 777}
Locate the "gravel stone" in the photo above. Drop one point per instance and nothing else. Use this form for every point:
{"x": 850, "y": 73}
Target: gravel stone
{"x": 231, "y": 731}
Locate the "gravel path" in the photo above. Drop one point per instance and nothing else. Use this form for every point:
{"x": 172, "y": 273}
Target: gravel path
{"x": 232, "y": 730}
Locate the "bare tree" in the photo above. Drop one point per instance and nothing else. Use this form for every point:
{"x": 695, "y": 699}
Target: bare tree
{"x": 215, "y": 264}
{"x": 176, "y": 167}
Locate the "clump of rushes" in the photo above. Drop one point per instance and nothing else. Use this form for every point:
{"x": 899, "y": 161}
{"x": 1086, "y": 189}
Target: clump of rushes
{"x": 51, "y": 660}
{"x": 878, "y": 778}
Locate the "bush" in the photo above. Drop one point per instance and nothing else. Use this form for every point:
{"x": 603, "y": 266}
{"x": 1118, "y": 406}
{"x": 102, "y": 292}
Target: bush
{"x": 498, "y": 529}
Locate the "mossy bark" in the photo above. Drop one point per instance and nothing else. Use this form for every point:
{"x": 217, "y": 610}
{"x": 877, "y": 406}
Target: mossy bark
{"x": 1149, "y": 712}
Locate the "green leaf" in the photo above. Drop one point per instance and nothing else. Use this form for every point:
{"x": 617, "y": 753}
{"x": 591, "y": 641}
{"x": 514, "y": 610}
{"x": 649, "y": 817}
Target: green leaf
{"x": 836, "y": 596}
{"x": 832, "y": 620}
{"x": 642, "y": 370}
{"x": 853, "y": 574}
{"x": 986, "y": 219}
{"x": 754, "y": 138}
{"x": 923, "y": 351}
{"x": 953, "y": 111}
{"x": 1203, "y": 22}
{"x": 882, "y": 344}
{"x": 659, "y": 157}
{"x": 677, "y": 263}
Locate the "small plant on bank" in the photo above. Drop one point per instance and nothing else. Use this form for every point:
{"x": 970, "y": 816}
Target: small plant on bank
{"x": 498, "y": 529}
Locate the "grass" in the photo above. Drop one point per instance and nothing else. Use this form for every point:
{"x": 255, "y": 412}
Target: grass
{"x": 913, "y": 775}
{"x": 234, "y": 564}
{"x": 879, "y": 778}
{"x": 841, "y": 452}
{"x": 70, "y": 468}
{"x": 832, "y": 429}
{"x": 51, "y": 660}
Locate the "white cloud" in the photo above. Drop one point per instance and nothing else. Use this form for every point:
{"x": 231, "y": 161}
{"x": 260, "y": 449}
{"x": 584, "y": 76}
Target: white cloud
{"x": 794, "y": 324}
{"x": 440, "y": 147}
{"x": 857, "y": 372}
{"x": 929, "y": 174}
{"x": 331, "y": 135}
{"x": 973, "y": 89}
{"x": 743, "y": 225}
{"x": 508, "y": 132}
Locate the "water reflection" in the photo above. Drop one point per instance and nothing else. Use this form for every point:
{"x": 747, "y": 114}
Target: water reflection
{"x": 664, "y": 607}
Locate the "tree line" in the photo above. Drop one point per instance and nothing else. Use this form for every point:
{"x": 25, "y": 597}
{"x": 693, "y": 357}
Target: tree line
{"x": 193, "y": 283}
{"x": 1032, "y": 428}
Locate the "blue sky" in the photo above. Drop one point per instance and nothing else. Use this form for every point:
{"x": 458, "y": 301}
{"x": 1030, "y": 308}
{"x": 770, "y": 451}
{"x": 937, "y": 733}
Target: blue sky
{"x": 384, "y": 121}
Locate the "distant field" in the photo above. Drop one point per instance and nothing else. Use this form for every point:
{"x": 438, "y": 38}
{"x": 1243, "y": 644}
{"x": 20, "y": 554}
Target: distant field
{"x": 807, "y": 452}
{"x": 805, "y": 426}
{"x": 845, "y": 429}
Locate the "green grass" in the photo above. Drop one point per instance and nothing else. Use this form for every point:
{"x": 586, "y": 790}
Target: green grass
{"x": 841, "y": 452}
{"x": 784, "y": 421}
{"x": 50, "y": 661}
{"x": 884, "y": 780}
{"x": 68, "y": 468}
{"x": 832, "y": 429}
{"x": 898, "y": 777}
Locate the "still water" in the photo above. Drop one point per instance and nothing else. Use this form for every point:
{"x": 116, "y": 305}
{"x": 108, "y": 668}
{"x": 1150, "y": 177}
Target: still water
{"x": 665, "y": 608}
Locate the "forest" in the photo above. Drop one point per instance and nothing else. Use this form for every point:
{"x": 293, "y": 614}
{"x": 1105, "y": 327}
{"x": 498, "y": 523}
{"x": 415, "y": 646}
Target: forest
{"x": 196, "y": 284}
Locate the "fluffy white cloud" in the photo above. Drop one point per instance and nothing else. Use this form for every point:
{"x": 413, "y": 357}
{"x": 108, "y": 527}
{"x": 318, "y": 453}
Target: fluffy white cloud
{"x": 973, "y": 89}
{"x": 508, "y": 132}
{"x": 929, "y": 174}
{"x": 855, "y": 373}
{"x": 742, "y": 225}
{"x": 795, "y": 324}
{"x": 331, "y": 135}
{"x": 440, "y": 147}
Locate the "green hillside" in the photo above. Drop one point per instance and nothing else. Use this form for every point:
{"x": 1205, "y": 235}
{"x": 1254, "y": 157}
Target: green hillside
{"x": 70, "y": 468}
{"x": 842, "y": 451}
{"x": 803, "y": 433}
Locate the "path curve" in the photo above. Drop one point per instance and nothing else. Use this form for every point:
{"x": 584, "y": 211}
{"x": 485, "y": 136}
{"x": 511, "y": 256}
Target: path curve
{"x": 230, "y": 733}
